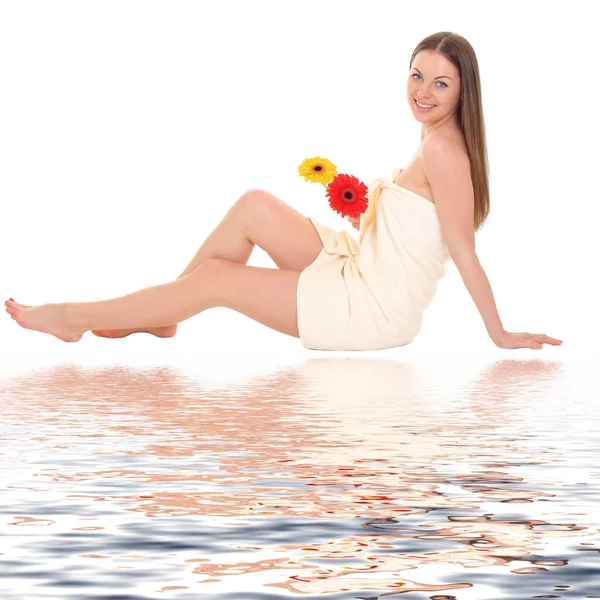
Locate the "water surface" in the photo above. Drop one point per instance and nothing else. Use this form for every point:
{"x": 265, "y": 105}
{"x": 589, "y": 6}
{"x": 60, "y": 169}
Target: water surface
{"x": 336, "y": 477}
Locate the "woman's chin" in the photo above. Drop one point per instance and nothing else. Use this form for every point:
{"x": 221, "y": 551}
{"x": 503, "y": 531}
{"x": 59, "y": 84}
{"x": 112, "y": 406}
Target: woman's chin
{"x": 420, "y": 116}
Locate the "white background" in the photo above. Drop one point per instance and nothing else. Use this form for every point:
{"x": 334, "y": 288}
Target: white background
{"x": 127, "y": 129}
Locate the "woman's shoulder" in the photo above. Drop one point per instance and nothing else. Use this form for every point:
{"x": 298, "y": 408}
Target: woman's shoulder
{"x": 448, "y": 139}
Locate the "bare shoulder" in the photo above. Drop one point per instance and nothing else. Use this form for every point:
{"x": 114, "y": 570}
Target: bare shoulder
{"x": 445, "y": 147}
{"x": 446, "y": 165}
{"x": 448, "y": 170}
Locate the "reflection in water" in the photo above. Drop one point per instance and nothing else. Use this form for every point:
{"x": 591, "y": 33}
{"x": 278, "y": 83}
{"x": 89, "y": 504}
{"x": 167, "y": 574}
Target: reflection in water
{"x": 356, "y": 477}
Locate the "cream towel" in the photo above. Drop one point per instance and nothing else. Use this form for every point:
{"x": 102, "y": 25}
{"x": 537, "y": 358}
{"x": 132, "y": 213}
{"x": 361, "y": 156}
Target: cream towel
{"x": 372, "y": 294}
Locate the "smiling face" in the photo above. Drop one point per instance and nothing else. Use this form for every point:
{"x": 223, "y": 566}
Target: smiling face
{"x": 432, "y": 80}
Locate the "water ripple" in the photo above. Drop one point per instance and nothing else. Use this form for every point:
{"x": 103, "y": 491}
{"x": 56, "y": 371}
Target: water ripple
{"x": 355, "y": 478}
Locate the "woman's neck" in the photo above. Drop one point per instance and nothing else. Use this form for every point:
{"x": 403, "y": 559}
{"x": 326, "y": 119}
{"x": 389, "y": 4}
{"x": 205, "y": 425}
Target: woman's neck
{"x": 451, "y": 125}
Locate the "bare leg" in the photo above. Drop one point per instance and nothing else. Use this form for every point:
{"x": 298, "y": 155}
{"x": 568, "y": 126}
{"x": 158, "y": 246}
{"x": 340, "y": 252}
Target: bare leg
{"x": 227, "y": 241}
{"x": 260, "y": 218}
{"x": 264, "y": 294}
{"x": 151, "y": 307}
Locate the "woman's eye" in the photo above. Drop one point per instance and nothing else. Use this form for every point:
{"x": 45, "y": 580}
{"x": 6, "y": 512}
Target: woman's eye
{"x": 417, "y": 75}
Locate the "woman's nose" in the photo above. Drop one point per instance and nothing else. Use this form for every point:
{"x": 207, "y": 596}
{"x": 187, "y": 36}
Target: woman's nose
{"x": 423, "y": 92}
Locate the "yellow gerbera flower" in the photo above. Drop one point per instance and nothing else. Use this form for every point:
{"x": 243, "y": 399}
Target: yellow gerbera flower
{"x": 317, "y": 170}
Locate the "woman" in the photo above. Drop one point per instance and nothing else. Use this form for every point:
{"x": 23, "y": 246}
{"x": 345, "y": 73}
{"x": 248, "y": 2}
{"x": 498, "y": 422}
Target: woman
{"x": 329, "y": 291}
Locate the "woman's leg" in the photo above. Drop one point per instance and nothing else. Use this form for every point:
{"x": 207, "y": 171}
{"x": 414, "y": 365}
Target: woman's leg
{"x": 263, "y": 294}
{"x": 257, "y": 218}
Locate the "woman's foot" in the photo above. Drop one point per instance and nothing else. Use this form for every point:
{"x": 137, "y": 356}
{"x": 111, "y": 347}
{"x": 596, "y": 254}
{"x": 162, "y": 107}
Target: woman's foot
{"x": 47, "y": 318}
{"x": 162, "y": 332}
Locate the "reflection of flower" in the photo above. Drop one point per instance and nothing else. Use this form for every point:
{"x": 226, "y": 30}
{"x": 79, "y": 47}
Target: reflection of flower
{"x": 347, "y": 195}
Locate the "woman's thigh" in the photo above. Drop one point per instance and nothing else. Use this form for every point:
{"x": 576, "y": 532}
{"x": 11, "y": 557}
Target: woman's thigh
{"x": 266, "y": 295}
{"x": 284, "y": 233}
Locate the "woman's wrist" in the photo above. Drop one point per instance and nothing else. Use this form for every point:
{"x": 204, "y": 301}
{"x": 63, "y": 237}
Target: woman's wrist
{"x": 496, "y": 334}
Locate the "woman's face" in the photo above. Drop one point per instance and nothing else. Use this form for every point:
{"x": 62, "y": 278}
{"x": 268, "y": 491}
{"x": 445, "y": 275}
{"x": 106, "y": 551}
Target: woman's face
{"x": 433, "y": 79}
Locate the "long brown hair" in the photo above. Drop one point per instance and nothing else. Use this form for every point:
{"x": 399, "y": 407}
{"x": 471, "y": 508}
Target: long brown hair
{"x": 469, "y": 113}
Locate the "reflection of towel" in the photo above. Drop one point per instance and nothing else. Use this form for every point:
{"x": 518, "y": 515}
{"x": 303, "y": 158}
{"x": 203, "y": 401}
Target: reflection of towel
{"x": 403, "y": 419}
{"x": 371, "y": 294}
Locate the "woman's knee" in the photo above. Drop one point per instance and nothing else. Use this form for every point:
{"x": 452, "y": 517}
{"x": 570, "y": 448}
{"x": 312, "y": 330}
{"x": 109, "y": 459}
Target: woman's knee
{"x": 256, "y": 202}
{"x": 255, "y": 197}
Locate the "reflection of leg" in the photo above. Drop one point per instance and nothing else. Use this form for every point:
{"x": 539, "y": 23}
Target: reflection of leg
{"x": 265, "y": 295}
{"x": 260, "y": 218}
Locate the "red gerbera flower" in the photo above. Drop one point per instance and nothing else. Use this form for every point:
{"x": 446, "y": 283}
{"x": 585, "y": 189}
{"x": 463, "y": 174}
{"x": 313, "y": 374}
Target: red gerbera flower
{"x": 347, "y": 195}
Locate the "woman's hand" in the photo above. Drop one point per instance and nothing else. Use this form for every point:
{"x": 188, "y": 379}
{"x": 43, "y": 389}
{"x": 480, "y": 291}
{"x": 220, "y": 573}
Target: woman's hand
{"x": 524, "y": 340}
{"x": 355, "y": 222}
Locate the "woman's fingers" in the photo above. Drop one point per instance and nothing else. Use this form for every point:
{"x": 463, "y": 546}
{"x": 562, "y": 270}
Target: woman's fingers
{"x": 531, "y": 343}
{"x": 524, "y": 339}
{"x": 529, "y": 340}
{"x": 540, "y": 337}
{"x": 355, "y": 222}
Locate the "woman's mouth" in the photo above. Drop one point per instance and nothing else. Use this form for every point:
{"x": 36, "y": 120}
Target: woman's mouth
{"x": 424, "y": 107}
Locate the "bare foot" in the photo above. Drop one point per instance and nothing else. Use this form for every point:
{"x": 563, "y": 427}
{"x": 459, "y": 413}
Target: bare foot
{"x": 167, "y": 331}
{"x": 162, "y": 332}
{"x": 47, "y": 318}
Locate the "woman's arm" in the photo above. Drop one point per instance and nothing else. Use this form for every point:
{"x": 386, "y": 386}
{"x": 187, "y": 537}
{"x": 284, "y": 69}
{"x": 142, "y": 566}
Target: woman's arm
{"x": 449, "y": 174}
{"x": 479, "y": 287}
